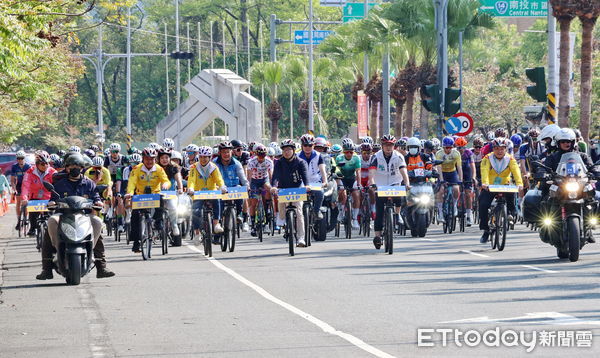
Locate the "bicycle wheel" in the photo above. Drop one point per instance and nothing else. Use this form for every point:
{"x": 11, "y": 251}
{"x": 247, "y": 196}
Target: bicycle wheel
{"x": 306, "y": 212}
{"x": 348, "y": 217}
{"x": 20, "y": 223}
{"x": 290, "y": 234}
{"x": 389, "y": 231}
{"x": 209, "y": 234}
{"x": 24, "y": 222}
{"x": 146, "y": 238}
{"x": 227, "y": 229}
{"x": 127, "y": 227}
{"x": 502, "y": 226}
{"x": 494, "y": 230}
{"x": 235, "y": 230}
{"x": 115, "y": 223}
{"x": 39, "y": 237}
{"x": 164, "y": 233}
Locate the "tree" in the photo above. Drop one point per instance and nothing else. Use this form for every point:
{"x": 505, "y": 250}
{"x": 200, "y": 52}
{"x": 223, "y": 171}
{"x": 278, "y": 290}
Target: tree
{"x": 270, "y": 74}
{"x": 588, "y": 12}
{"x": 564, "y": 11}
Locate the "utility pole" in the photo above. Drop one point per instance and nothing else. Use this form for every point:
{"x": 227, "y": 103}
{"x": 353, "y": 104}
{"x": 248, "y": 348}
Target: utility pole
{"x": 128, "y": 80}
{"x": 386, "y": 93}
{"x": 552, "y": 70}
{"x": 441, "y": 26}
{"x": 461, "y": 64}
{"x": 178, "y": 74}
{"x": 311, "y": 95}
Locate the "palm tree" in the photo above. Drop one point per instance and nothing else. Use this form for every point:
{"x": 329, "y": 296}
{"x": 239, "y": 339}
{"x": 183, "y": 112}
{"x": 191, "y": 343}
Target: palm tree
{"x": 564, "y": 11}
{"x": 398, "y": 94}
{"x": 271, "y": 75}
{"x": 588, "y": 12}
{"x": 374, "y": 91}
{"x": 295, "y": 78}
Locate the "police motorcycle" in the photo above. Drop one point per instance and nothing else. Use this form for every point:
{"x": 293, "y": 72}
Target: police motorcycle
{"x": 329, "y": 210}
{"x": 568, "y": 216}
{"x": 421, "y": 201}
{"x": 184, "y": 215}
{"x": 74, "y": 256}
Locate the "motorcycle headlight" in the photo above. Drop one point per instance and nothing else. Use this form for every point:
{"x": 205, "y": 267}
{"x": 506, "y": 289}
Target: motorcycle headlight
{"x": 68, "y": 230}
{"x": 572, "y": 187}
{"x": 593, "y": 221}
{"x": 424, "y": 199}
{"x": 182, "y": 210}
{"x": 548, "y": 221}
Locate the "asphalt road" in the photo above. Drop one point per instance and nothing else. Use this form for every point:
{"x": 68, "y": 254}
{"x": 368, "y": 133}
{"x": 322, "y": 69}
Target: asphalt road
{"x": 338, "y": 298}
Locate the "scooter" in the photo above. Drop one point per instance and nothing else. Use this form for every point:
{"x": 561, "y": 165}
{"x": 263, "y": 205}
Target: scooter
{"x": 420, "y": 202}
{"x": 330, "y": 215}
{"x": 74, "y": 258}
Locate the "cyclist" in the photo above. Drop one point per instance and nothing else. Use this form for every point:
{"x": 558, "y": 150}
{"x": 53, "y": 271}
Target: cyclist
{"x": 115, "y": 162}
{"x": 532, "y": 148}
{"x": 497, "y": 169}
{"x": 191, "y": 152}
{"x": 477, "y": 156}
{"x": 365, "y": 163}
{"x": 400, "y": 146}
{"x": 260, "y": 172}
{"x": 205, "y": 175}
{"x": 348, "y": 170}
{"x": 516, "y": 140}
{"x": 387, "y": 168}
{"x": 233, "y": 174}
{"x": 581, "y": 145}
{"x": 469, "y": 176}
{"x": 290, "y": 172}
{"x": 100, "y": 176}
{"x": 174, "y": 174}
{"x": 146, "y": 178}
{"x": 451, "y": 169}
{"x": 32, "y": 187}
{"x": 17, "y": 172}
{"x": 316, "y": 171}
{"x": 428, "y": 148}
{"x": 168, "y": 143}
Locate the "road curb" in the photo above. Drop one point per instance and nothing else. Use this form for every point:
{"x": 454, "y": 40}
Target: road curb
{"x": 5, "y": 232}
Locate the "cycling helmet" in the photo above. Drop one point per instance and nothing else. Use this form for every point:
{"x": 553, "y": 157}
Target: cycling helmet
{"x": 287, "y": 143}
{"x": 225, "y": 145}
{"x": 215, "y": 151}
{"x": 244, "y": 147}
{"x": 154, "y": 145}
{"x": 191, "y": 148}
{"x": 448, "y": 142}
{"x": 278, "y": 152}
{"x": 368, "y": 140}
{"x": 401, "y": 143}
{"x": 500, "y": 142}
{"x": 490, "y": 136}
{"x": 115, "y": 147}
{"x": 273, "y": 145}
{"x": 270, "y": 151}
{"x": 97, "y": 162}
{"x": 388, "y": 139}
{"x": 162, "y": 151}
{"x": 251, "y": 146}
{"x": 428, "y": 145}
{"x": 74, "y": 149}
{"x": 88, "y": 161}
{"x": 307, "y": 139}
{"x": 75, "y": 159}
{"x": 42, "y": 156}
{"x": 366, "y": 147}
{"x": 135, "y": 158}
{"x": 90, "y": 153}
{"x": 59, "y": 163}
{"x": 376, "y": 147}
{"x": 149, "y": 152}
{"x": 565, "y": 134}
{"x": 54, "y": 157}
{"x": 348, "y": 145}
{"x": 533, "y": 132}
{"x": 347, "y": 141}
{"x": 176, "y": 155}
{"x": 477, "y": 142}
{"x": 260, "y": 149}
{"x": 413, "y": 142}
{"x": 500, "y": 132}
{"x": 516, "y": 139}
{"x": 436, "y": 143}
{"x": 236, "y": 143}
{"x": 205, "y": 151}
{"x": 336, "y": 149}
{"x": 549, "y": 131}
{"x": 577, "y": 133}
{"x": 321, "y": 142}
{"x": 62, "y": 153}
{"x": 168, "y": 143}
{"x": 460, "y": 142}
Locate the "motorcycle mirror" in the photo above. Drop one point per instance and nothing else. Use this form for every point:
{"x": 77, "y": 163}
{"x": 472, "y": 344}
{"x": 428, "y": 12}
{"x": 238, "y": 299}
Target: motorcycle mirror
{"x": 48, "y": 186}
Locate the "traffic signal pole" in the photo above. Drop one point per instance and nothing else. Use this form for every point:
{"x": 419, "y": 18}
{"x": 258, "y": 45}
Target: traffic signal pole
{"x": 441, "y": 25}
{"x": 552, "y": 57}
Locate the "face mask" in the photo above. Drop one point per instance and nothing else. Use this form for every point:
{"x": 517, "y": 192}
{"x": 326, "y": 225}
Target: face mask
{"x": 74, "y": 172}
{"x": 413, "y": 151}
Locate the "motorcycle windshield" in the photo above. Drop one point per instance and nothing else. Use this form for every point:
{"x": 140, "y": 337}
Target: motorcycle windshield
{"x": 571, "y": 165}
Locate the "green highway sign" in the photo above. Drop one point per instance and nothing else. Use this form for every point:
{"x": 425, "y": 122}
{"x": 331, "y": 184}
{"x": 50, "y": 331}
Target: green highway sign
{"x": 515, "y": 8}
{"x": 355, "y": 11}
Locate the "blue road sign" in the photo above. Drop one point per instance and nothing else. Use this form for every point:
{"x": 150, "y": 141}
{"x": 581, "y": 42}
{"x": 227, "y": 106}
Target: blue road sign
{"x": 301, "y": 37}
{"x": 453, "y": 125}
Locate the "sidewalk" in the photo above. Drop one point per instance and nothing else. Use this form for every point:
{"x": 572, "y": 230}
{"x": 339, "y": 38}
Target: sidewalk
{"x": 7, "y": 223}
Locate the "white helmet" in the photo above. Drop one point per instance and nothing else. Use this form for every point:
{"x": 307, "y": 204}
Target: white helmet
{"x": 274, "y": 145}
{"x": 191, "y": 148}
{"x": 168, "y": 143}
{"x": 74, "y": 149}
{"x": 367, "y": 140}
{"x": 436, "y": 142}
{"x": 270, "y": 151}
{"x": 565, "y": 134}
{"x": 413, "y": 142}
{"x": 98, "y": 161}
{"x": 115, "y": 146}
{"x": 135, "y": 158}
{"x": 205, "y": 151}
{"x": 176, "y": 155}
{"x": 215, "y": 150}
{"x": 549, "y": 131}
{"x": 154, "y": 145}
{"x": 106, "y": 152}
{"x": 278, "y": 152}
{"x": 490, "y": 136}
{"x": 20, "y": 154}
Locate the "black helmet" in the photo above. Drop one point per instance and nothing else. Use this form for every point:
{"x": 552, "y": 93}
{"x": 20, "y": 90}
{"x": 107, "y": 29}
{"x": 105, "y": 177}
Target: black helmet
{"x": 226, "y": 145}
{"x": 62, "y": 153}
{"x": 236, "y": 143}
{"x": 75, "y": 159}
{"x": 428, "y": 145}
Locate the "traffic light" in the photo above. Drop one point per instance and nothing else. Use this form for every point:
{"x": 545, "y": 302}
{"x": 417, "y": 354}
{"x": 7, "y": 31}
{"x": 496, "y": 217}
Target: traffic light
{"x": 181, "y": 55}
{"x": 433, "y": 103}
{"x": 451, "y": 107}
{"x": 538, "y": 76}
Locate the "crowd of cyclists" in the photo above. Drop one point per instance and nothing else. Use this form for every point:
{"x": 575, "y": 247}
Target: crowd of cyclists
{"x": 355, "y": 169}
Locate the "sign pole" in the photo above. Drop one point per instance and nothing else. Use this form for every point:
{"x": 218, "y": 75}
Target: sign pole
{"x": 552, "y": 73}
{"x": 311, "y": 123}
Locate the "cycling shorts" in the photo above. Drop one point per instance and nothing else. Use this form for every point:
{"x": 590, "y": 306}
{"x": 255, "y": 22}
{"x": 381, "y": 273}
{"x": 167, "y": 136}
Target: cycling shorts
{"x": 451, "y": 177}
{"x": 256, "y": 186}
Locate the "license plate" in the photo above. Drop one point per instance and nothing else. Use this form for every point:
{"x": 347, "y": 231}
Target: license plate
{"x": 207, "y": 195}
{"x": 145, "y": 201}
{"x": 37, "y": 206}
{"x": 503, "y": 189}
{"x": 391, "y": 191}
{"x": 236, "y": 193}
{"x": 291, "y": 195}
{"x": 169, "y": 194}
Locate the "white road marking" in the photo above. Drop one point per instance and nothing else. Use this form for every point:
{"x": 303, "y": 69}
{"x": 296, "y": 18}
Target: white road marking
{"x": 99, "y": 343}
{"x": 531, "y": 318}
{"x": 539, "y": 269}
{"x": 432, "y": 240}
{"x": 307, "y": 316}
{"x": 473, "y": 253}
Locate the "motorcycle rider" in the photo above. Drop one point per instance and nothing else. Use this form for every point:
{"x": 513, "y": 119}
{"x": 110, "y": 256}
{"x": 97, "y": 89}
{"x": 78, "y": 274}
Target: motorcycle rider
{"x": 72, "y": 183}
{"x": 497, "y": 169}
{"x": 547, "y": 135}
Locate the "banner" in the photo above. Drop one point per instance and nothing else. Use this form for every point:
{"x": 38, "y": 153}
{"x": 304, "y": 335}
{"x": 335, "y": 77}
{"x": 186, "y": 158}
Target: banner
{"x": 363, "y": 114}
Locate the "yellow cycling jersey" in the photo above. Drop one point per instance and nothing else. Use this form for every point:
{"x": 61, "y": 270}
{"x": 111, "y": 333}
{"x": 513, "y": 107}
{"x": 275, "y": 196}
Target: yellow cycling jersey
{"x": 142, "y": 177}
{"x": 205, "y": 178}
{"x": 104, "y": 178}
{"x": 496, "y": 171}
{"x": 450, "y": 161}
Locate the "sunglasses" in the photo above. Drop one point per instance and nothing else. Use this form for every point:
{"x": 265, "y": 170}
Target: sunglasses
{"x": 238, "y": 149}
{"x": 20, "y": 158}
{"x": 98, "y": 168}
{"x": 114, "y": 151}
{"x": 448, "y": 147}
{"x": 477, "y": 147}
{"x": 349, "y": 152}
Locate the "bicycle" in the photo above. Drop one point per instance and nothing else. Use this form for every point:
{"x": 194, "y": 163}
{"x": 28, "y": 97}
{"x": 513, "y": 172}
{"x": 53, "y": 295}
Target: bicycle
{"x": 206, "y": 213}
{"x": 259, "y": 215}
{"x": 448, "y": 209}
{"x": 348, "y": 214}
{"x": 365, "y": 213}
{"x": 230, "y": 224}
{"x": 23, "y": 222}
{"x": 291, "y": 231}
{"x": 462, "y": 213}
{"x": 148, "y": 234}
{"x": 309, "y": 215}
{"x": 389, "y": 192}
{"x": 498, "y": 219}
{"x": 41, "y": 222}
